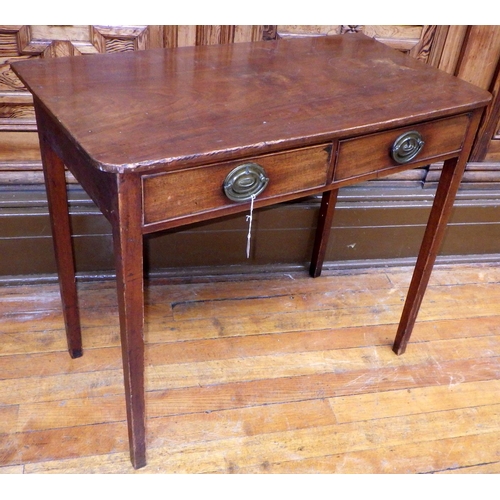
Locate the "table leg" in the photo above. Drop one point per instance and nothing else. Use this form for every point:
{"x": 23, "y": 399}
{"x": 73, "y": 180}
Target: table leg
{"x": 128, "y": 247}
{"x": 323, "y": 230}
{"x": 433, "y": 237}
{"x": 55, "y": 182}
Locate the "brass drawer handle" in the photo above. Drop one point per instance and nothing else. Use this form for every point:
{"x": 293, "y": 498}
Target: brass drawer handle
{"x": 245, "y": 181}
{"x": 407, "y": 146}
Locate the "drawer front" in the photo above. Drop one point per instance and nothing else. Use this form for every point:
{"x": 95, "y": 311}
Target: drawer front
{"x": 370, "y": 155}
{"x": 185, "y": 193}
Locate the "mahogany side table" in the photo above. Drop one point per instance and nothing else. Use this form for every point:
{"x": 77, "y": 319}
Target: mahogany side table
{"x": 164, "y": 138}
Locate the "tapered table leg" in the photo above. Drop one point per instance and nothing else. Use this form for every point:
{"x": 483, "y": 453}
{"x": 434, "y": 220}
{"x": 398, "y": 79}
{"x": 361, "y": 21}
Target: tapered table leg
{"x": 55, "y": 182}
{"x": 128, "y": 247}
{"x": 433, "y": 237}
{"x": 449, "y": 182}
{"x": 323, "y": 230}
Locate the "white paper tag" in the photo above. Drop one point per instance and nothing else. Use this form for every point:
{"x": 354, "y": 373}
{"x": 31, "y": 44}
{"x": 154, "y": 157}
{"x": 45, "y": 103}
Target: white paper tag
{"x": 249, "y": 220}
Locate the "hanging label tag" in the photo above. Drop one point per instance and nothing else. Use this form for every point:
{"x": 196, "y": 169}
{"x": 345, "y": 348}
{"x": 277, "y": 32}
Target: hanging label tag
{"x": 249, "y": 220}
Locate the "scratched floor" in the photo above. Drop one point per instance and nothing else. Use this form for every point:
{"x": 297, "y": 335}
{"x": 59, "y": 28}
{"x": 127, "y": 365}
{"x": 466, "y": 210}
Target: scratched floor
{"x": 273, "y": 374}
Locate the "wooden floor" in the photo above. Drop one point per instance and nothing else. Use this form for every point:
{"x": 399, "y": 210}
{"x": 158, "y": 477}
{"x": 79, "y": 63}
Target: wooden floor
{"x": 275, "y": 374}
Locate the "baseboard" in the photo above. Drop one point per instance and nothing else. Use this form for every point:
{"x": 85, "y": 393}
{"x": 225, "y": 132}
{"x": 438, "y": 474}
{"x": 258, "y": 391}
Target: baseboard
{"x": 232, "y": 273}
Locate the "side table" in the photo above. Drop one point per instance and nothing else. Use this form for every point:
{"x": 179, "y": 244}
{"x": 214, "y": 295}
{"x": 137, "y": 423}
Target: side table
{"x": 164, "y": 138}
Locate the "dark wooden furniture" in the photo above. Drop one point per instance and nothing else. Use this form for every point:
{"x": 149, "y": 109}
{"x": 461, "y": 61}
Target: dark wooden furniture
{"x": 158, "y": 139}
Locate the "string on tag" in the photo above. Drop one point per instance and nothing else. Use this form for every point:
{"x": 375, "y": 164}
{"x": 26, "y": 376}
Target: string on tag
{"x": 249, "y": 220}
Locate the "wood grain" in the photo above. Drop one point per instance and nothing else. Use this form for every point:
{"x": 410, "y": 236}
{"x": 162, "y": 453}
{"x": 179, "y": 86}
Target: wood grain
{"x": 231, "y": 109}
{"x": 438, "y": 45}
{"x": 479, "y": 62}
{"x": 165, "y": 194}
{"x": 324, "y": 398}
{"x": 47, "y": 41}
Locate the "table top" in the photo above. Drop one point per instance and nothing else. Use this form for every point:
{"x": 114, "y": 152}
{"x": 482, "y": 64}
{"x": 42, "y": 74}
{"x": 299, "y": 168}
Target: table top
{"x": 133, "y": 111}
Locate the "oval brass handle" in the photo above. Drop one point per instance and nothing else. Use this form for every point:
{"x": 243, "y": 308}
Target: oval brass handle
{"x": 407, "y": 146}
{"x": 245, "y": 181}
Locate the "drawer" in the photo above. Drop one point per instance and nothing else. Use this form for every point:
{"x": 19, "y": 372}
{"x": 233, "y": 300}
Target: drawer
{"x": 370, "y": 155}
{"x": 186, "y": 193}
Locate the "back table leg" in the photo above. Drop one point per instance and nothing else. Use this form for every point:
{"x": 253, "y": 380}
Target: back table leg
{"x": 323, "y": 231}
{"x": 55, "y": 182}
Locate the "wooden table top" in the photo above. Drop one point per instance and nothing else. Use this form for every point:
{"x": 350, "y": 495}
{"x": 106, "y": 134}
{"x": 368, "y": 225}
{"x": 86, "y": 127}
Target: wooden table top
{"x": 133, "y": 111}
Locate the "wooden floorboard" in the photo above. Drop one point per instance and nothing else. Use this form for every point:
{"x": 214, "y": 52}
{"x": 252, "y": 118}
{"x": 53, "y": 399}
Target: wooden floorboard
{"x": 277, "y": 373}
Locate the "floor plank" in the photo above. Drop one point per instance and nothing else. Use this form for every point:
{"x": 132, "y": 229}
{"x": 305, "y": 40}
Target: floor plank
{"x": 272, "y": 374}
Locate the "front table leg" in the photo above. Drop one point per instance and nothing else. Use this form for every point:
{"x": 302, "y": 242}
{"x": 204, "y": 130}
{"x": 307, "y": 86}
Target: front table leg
{"x": 128, "y": 247}
{"x": 433, "y": 236}
{"x": 55, "y": 183}
{"x": 449, "y": 183}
